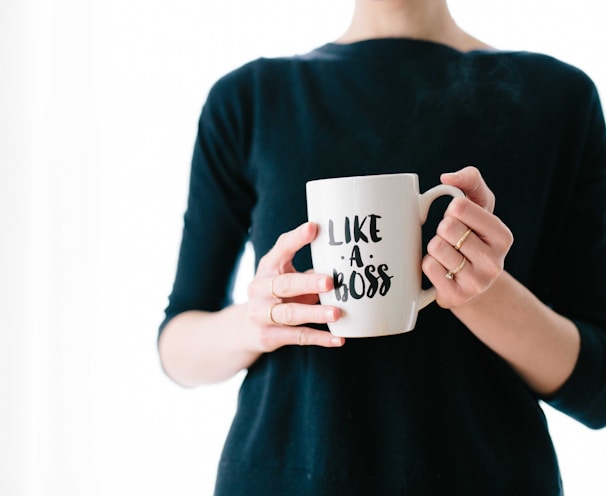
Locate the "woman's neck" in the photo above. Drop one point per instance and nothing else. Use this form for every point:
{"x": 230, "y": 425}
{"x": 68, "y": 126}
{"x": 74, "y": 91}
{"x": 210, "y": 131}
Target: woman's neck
{"x": 428, "y": 20}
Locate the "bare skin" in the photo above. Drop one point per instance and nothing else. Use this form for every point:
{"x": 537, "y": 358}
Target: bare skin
{"x": 541, "y": 345}
{"x": 418, "y": 19}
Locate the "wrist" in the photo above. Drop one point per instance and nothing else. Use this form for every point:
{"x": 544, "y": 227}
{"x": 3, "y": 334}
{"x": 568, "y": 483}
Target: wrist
{"x": 495, "y": 291}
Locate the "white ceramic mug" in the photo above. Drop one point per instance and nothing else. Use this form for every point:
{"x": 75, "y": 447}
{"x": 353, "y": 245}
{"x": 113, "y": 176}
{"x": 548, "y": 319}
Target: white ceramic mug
{"x": 369, "y": 240}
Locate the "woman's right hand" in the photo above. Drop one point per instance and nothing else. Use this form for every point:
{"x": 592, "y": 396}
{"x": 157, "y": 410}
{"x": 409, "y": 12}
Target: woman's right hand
{"x": 198, "y": 347}
{"x": 281, "y": 301}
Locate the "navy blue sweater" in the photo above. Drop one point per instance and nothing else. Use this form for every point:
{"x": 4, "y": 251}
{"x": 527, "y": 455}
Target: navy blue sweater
{"x": 434, "y": 411}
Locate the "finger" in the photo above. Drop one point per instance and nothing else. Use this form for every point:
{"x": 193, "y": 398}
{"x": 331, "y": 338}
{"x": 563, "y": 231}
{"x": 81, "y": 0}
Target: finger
{"x": 442, "y": 251}
{"x": 279, "y": 258}
{"x": 449, "y": 292}
{"x": 293, "y": 314}
{"x": 456, "y": 233}
{"x": 489, "y": 228}
{"x": 294, "y": 284}
{"x": 473, "y": 268}
{"x": 277, "y": 337}
{"x": 483, "y": 257}
{"x": 473, "y": 185}
{"x": 485, "y": 253}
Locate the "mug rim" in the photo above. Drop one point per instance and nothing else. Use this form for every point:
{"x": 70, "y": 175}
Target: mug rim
{"x": 362, "y": 177}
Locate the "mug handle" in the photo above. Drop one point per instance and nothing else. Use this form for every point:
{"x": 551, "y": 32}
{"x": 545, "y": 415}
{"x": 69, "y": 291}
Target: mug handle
{"x": 426, "y": 296}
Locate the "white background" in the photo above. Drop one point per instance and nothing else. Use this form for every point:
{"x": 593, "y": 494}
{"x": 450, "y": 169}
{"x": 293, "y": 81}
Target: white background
{"x": 99, "y": 101}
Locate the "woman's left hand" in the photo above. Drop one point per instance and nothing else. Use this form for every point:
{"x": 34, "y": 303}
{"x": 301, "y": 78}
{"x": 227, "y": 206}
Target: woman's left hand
{"x": 467, "y": 253}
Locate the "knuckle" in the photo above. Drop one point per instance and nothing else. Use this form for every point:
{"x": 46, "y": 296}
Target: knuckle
{"x": 492, "y": 199}
{"x": 433, "y": 269}
{"x": 283, "y": 284}
{"x": 426, "y": 264}
{"x": 508, "y": 237}
{"x": 265, "y": 338}
{"x": 457, "y": 207}
{"x": 280, "y": 239}
{"x": 263, "y": 262}
{"x": 287, "y": 314}
{"x": 250, "y": 289}
{"x": 435, "y": 245}
{"x": 474, "y": 171}
{"x": 505, "y": 240}
{"x": 432, "y": 245}
{"x": 447, "y": 227}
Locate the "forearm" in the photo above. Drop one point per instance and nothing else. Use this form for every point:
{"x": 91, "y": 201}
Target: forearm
{"x": 206, "y": 347}
{"x": 541, "y": 345}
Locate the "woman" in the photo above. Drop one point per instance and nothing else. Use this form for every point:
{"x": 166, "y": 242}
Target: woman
{"x": 452, "y": 407}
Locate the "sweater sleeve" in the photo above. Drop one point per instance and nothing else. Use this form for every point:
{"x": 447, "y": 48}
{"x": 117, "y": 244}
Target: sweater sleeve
{"x": 221, "y": 197}
{"x": 580, "y": 284}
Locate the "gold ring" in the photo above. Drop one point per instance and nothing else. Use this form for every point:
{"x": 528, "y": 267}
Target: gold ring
{"x": 462, "y": 240}
{"x": 451, "y": 273}
{"x": 271, "y": 288}
{"x": 269, "y": 313}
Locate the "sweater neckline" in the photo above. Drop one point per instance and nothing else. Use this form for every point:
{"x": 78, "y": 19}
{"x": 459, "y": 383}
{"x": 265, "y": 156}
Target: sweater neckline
{"x": 395, "y": 47}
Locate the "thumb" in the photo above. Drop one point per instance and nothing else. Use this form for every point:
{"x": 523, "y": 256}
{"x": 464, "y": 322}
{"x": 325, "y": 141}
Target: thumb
{"x": 470, "y": 181}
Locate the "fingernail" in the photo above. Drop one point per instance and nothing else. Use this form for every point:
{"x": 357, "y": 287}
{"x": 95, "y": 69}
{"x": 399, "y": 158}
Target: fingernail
{"x": 452, "y": 174}
{"x": 337, "y": 341}
{"x": 323, "y": 284}
{"x": 330, "y": 315}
